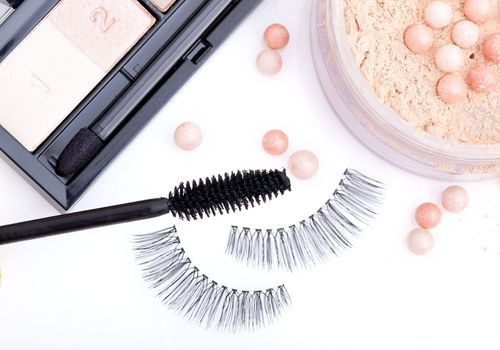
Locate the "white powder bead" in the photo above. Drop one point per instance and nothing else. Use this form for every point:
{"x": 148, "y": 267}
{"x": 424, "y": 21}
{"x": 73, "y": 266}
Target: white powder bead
{"x": 455, "y": 199}
{"x": 479, "y": 11}
{"x": 269, "y": 62}
{"x": 420, "y": 241}
{"x": 465, "y": 34}
{"x": 449, "y": 58}
{"x": 438, "y": 14}
{"x": 303, "y": 164}
{"x": 188, "y": 136}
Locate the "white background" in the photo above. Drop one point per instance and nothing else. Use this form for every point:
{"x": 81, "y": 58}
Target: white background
{"x": 84, "y": 291}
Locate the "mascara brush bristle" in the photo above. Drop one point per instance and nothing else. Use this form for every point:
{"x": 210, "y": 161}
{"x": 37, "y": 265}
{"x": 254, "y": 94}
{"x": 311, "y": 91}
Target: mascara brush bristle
{"x": 224, "y": 194}
{"x": 192, "y": 200}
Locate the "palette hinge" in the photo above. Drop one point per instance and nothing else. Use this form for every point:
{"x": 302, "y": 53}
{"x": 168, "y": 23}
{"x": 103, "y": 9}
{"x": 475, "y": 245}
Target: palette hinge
{"x": 198, "y": 51}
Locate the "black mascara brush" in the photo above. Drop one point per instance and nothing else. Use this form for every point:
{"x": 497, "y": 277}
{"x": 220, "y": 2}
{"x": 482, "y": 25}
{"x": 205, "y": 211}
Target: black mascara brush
{"x": 189, "y": 201}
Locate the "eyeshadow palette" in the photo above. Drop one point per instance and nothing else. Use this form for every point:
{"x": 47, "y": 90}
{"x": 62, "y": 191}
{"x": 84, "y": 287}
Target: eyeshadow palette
{"x": 79, "y": 79}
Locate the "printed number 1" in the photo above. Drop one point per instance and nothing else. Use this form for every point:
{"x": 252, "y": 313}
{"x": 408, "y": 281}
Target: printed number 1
{"x": 101, "y": 17}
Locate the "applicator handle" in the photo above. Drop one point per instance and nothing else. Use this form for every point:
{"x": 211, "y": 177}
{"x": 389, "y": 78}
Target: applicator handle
{"x": 84, "y": 220}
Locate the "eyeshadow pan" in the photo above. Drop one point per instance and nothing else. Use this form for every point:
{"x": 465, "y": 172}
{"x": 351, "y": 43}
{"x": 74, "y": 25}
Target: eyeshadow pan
{"x": 62, "y": 60}
{"x": 43, "y": 80}
{"x": 163, "y": 5}
{"x": 105, "y": 30}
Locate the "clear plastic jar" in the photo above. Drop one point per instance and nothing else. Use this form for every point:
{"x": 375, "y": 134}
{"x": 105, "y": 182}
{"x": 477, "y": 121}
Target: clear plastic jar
{"x": 373, "y": 123}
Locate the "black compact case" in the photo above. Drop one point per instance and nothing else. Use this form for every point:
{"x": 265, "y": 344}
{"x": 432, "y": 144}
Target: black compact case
{"x": 129, "y": 96}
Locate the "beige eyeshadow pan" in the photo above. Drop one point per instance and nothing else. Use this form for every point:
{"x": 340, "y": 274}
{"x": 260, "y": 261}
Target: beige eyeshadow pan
{"x": 62, "y": 60}
{"x": 163, "y": 5}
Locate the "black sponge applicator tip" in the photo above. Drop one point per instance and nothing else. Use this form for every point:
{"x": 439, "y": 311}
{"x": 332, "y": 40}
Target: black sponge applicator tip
{"x": 14, "y": 3}
{"x": 78, "y": 153}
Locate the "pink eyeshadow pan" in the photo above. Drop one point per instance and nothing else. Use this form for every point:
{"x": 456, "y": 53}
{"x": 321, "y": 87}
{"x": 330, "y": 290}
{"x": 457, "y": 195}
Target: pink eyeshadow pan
{"x": 62, "y": 60}
{"x": 163, "y": 5}
{"x": 104, "y": 30}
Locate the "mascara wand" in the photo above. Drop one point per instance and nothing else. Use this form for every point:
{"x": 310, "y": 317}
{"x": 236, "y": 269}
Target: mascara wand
{"x": 189, "y": 201}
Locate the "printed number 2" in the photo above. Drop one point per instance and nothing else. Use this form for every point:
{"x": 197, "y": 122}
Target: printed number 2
{"x": 102, "y": 19}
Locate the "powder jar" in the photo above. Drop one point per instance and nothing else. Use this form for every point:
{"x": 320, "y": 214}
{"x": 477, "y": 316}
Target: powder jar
{"x": 374, "y": 124}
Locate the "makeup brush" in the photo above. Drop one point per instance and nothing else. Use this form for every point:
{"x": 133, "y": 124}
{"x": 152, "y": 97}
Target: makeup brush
{"x": 189, "y": 201}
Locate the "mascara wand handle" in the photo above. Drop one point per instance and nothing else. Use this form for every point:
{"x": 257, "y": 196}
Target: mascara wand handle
{"x": 84, "y": 220}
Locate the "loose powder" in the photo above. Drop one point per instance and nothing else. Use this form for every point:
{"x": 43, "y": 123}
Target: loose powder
{"x": 406, "y": 82}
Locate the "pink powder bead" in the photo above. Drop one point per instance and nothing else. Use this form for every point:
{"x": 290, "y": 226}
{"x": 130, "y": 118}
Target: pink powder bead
{"x": 479, "y": 11}
{"x": 455, "y": 199}
{"x": 449, "y": 58}
{"x": 303, "y": 164}
{"x": 465, "y": 34}
{"x": 451, "y": 88}
{"x": 276, "y": 36}
{"x": 482, "y": 78}
{"x": 275, "y": 142}
{"x": 428, "y": 215}
{"x": 269, "y": 62}
{"x": 420, "y": 241}
{"x": 438, "y": 14}
{"x": 188, "y": 136}
{"x": 419, "y": 38}
{"x": 491, "y": 48}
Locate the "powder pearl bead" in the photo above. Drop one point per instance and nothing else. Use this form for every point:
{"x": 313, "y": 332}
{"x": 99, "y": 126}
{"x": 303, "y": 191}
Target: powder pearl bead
{"x": 438, "y": 14}
{"x": 482, "y": 78}
{"x": 449, "y": 58}
{"x": 276, "y": 36}
{"x": 275, "y": 142}
{"x": 455, "y": 199}
{"x": 451, "y": 88}
{"x": 491, "y": 48}
{"x": 303, "y": 164}
{"x": 428, "y": 215}
{"x": 479, "y": 11}
{"x": 419, "y": 38}
{"x": 269, "y": 62}
{"x": 188, "y": 136}
{"x": 465, "y": 34}
{"x": 420, "y": 242}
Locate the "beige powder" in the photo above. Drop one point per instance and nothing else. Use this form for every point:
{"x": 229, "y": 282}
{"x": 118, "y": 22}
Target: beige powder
{"x": 62, "y": 60}
{"x": 104, "y": 30}
{"x": 406, "y": 82}
{"x": 41, "y": 92}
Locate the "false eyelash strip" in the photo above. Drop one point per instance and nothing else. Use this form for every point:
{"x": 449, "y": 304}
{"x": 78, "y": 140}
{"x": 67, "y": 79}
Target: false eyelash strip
{"x": 324, "y": 234}
{"x": 184, "y": 289}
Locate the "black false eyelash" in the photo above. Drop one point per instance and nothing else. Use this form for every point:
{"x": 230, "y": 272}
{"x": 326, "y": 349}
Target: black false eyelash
{"x": 324, "y": 234}
{"x": 184, "y": 289}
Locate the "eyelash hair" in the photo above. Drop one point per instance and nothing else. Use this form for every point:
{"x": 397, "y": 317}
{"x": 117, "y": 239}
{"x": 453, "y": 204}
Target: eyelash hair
{"x": 322, "y": 235}
{"x": 187, "y": 291}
